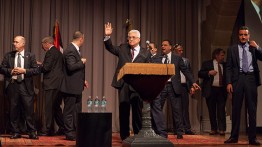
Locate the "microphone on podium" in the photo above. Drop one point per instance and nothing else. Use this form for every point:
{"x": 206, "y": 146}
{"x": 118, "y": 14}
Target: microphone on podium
{"x": 147, "y": 45}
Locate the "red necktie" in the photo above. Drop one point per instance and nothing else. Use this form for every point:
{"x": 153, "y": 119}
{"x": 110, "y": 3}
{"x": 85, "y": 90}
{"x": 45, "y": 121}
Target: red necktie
{"x": 132, "y": 53}
{"x": 220, "y": 76}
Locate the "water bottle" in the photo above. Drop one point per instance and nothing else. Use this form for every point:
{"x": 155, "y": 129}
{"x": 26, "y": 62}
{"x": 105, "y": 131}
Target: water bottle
{"x": 103, "y": 104}
{"x": 89, "y": 104}
{"x": 96, "y": 104}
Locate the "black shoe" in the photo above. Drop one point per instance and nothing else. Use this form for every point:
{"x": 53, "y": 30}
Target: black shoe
{"x": 212, "y": 132}
{"x": 222, "y": 133}
{"x": 42, "y": 134}
{"x": 15, "y": 136}
{"x": 60, "y": 132}
{"x": 179, "y": 136}
{"x": 189, "y": 132}
{"x": 33, "y": 136}
{"x": 254, "y": 142}
{"x": 231, "y": 140}
{"x": 70, "y": 138}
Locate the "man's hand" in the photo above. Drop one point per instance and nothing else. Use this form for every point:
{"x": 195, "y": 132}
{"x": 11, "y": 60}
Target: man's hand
{"x": 253, "y": 43}
{"x": 18, "y": 71}
{"x": 212, "y": 72}
{"x": 83, "y": 60}
{"x": 192, "y": 91}
{"x": 108, "y": 29}
{"x": 38, "y": 62}
{"x": 195, "y": 86}
{"x": 229, "y": 88}
{"x": 86, "y": 84}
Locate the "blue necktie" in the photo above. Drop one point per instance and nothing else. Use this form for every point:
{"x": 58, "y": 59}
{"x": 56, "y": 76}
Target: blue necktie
{"x": 244, "y": 60}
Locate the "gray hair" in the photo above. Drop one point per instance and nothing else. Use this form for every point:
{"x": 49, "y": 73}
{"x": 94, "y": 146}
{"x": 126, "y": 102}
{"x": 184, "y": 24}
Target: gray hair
{"x": 136, "y": 32}
{"x": 48, "y": 39}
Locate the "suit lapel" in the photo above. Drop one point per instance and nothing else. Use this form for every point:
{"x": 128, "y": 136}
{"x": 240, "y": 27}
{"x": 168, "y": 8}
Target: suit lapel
{"x": 26, "y": 60}
{"x": 12, "y": 60}
{"x": 129, "y": 54}
{"x": 236, "y": 53}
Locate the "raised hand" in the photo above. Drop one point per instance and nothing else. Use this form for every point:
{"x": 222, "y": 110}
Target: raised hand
{"x": 108, "y": 29}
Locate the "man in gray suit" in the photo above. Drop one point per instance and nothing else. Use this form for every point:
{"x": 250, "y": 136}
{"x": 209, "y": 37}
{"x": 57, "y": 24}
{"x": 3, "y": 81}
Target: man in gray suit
{"x": 127, "y": 52}
{"x": 73, "y": 83}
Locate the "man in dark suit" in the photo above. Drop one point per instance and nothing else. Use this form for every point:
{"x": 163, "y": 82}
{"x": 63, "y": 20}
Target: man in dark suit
{"x": 19, "y": 67}
{"x": 186, "y": 89}
{"x": 214, "y": 90}
{"x": 172, "y": 91}
{"x": 52, "y": 69}
{"x": 128, "y": 52}
{"x": 242, "y": 78}
{"x": 73, "y": 84}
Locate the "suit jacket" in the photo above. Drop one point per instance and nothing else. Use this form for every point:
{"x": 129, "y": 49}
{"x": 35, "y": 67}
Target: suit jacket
{"x": 74, "y": 71}
{"x": 29, "y": 64}
{"x": 208, "y": 79}
{"x": 179, "y": 66}
{"x": 188, "y": 65}
{"x": 52, "y": 69}
{"x": 233, "y": 63}
{"x": 124, "y": 56}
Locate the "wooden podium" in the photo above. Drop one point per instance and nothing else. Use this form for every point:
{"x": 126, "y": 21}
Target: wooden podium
{"x": 148, "y": 80}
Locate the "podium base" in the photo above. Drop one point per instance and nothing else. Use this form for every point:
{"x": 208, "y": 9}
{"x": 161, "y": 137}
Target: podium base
{"x": 136, "y": 141}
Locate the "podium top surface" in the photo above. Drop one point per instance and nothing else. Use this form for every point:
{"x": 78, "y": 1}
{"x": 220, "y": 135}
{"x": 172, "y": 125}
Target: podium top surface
{"x": 146, "y": 69}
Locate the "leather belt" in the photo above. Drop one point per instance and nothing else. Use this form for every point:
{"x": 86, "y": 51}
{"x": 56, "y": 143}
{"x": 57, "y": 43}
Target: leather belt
{"x": 246, "y": 73}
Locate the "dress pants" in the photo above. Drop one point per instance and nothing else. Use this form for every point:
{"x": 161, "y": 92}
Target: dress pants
{"x": 157, "y": 110}
{"x": 127, "y": 97}
{"x": 216, "y": 104}
{"x": 185, "y": 108}
{"x": 53, "y": 111}
{"x": 20, "y": 98}
{"x": 244, "y": 87}
{"x": 73, "y": 106}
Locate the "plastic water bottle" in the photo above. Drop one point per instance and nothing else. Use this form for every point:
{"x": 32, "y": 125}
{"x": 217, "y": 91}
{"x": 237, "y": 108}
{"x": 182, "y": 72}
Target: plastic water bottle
{"x": 103, "y": 104}
{"x": 96, "y": 104}
{"x": 89, "y": 104}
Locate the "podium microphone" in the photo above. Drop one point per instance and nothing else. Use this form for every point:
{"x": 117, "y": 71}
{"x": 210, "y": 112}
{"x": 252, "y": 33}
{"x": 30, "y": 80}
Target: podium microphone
{"x": 147, "y": 45}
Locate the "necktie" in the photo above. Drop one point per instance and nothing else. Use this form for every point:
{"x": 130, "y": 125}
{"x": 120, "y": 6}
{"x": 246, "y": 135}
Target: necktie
{"x": 244, "y": 60}
{"x": 19, "y": 77}
{"x": 132, "y": 53}
{"x": 166, "y": 59}
{"x": 220, "y": 76}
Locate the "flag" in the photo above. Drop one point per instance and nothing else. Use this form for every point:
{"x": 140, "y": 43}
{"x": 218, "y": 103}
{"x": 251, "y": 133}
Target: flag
{"x": 57, "y": 37}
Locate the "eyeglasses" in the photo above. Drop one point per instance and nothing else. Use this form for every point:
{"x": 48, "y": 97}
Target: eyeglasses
{"x": 243, "y": 34}
{"x": 131, "y": 37}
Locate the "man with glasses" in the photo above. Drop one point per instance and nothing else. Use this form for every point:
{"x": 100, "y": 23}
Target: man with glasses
{"x": 242, "y": 78}
{"x": 127, "y": 52}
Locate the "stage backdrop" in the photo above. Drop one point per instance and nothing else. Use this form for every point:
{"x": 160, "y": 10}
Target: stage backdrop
{"x": 177, "y": 20}
{"x": 254, "y": 21}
